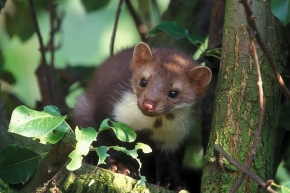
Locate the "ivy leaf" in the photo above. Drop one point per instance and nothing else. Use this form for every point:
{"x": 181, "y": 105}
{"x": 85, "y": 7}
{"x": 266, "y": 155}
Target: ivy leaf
{"x": 84, "y": 137}
{"x": 171, "y": 28}
{"x": 144, "y": 147}
{"x": 133, "y": 153}
{"x": 102, "y": 153}
{"x": 123, "y": 132}
{"x": 31, "y": 123}
{"x": 104, "y": 125}
{"x": 17, "y": 164}
{"x": 281, "y": 9}
{"x": 196, "y": 39}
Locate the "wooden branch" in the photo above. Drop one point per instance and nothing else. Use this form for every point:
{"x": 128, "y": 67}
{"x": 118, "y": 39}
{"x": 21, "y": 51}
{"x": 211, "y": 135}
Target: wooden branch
{"x": 252, "y": 23}
{"x": 36, "y": 27}
{"x": 52, "y": 31}
{"x": 257, "y": 179}
{"x": 115, "y": 27}
{"x": 136, "y": 19}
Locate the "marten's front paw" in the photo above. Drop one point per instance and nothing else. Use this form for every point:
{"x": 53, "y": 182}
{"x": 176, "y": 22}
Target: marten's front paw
{"x": 121, "y": 168}
{"x": 175, "y": 186}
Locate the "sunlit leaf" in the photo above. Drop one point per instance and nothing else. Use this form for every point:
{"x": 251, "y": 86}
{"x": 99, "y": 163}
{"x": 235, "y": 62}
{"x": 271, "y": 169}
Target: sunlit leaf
{"x": 31, "y": 123}
{"x": 144, "y": 147}
{"x": 17, "y": 164}
{"x": 104, "y": 125}
{"x": 281, "y": 9}
{"x": 84, "y": 139}
{"x": 102, "y": 153}
{"x": 124, "y": 132}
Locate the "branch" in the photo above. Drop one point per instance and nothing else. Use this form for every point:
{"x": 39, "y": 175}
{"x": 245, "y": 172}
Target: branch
{"x": 36, "y": 27}
{"x": 259, "y": 181}
{"x": 52, "y": 31}
{"x": 252, "y": 23}
{"x": 136, "y": 19}
{"x": 115, "y": 27}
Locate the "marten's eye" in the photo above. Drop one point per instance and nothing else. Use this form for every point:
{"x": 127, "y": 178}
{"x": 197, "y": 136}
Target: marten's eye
{"x": 143, "y": 82}
{"x": 173, "y": 94}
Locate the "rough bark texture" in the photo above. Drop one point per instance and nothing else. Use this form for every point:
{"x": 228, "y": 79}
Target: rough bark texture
{"x": 236, "y": 101}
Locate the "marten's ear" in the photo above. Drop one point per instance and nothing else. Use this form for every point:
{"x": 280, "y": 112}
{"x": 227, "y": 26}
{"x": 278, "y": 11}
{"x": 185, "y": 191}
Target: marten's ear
{"x": 142, "y": 54}
{"x": 200, "y": 75}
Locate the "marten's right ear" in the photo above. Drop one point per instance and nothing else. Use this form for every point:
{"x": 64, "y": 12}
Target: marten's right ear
{"x": 142, "y": 54}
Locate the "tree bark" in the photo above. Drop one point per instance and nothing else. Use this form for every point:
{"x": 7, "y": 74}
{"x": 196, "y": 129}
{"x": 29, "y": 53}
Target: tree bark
{"x": 236, "y": 108}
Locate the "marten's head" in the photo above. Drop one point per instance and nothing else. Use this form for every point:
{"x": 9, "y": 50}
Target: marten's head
{"x": 166, "y": 79}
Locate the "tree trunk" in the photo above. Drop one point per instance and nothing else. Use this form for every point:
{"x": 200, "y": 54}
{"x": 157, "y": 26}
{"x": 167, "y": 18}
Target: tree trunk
{"x": 236, "y": 108}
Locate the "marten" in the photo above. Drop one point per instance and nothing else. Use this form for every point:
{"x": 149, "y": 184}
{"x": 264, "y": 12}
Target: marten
{"x": 154, "y": 92}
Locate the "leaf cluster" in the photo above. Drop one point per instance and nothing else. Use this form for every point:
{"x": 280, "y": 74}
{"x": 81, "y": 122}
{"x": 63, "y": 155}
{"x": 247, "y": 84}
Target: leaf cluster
{"x": 18, "y": 164}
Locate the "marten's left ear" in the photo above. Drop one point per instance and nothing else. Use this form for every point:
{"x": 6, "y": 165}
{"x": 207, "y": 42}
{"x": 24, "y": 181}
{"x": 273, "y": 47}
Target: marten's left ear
{"x": 142, "y": 54}
{"x": 200, "y": 75}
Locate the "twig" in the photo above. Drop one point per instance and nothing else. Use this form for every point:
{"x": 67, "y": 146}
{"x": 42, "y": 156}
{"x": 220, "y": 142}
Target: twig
{"x": 52, "y": 31}
{"x": 258, "y": 180}
{"x": 136, "y": 19}
{"x": 252, "y": 23}
{"x": 36, "y": 26}
{"x": 115, "y": 27}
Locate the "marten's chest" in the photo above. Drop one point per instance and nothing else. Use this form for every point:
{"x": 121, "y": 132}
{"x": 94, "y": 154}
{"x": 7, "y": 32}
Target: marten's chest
{"x": 167, "y": 131}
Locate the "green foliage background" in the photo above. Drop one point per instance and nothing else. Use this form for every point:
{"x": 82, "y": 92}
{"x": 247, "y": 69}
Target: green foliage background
{"x": 84, "y": 39}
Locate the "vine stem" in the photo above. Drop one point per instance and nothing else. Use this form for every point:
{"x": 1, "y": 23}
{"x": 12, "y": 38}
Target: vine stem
{"x": 259, "y": 181}
{"x": 36, "y": 26}
{"x": 115, "y": 27}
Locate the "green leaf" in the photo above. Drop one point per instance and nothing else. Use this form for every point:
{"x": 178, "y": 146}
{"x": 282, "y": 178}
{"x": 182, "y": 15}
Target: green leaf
{"x": 171, "y": 28}
{"x": 104, "y": 125}
{"x": 20, "y": 22}
{"x": 102, "y": 153}
{"x": 51, "y": 137}
{"x": 144, "y": 147}
{"x": 196, "y": 39}
{"x": 133, "y": 153}
{"x": 53, "y": 110}
{"x": 31, "y": 123}
{"x": 17, "y": 164}
{"x": 281, "y": 9}
{"x": 124, "y": 132}
{"x": 84, "y": 137}
{"x": 93, "y": 5}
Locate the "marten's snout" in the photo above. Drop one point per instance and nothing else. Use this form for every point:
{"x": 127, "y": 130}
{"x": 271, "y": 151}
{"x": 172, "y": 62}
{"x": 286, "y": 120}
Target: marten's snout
{"x": 148, "y": 106}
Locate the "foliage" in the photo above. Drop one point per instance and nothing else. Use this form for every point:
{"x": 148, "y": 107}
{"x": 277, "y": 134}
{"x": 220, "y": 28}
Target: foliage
{"x": 49, "y": 126}
{"x": 281, "y": 9}
{"x": 17, "y": 164}
{"x": 178, "y": 32}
